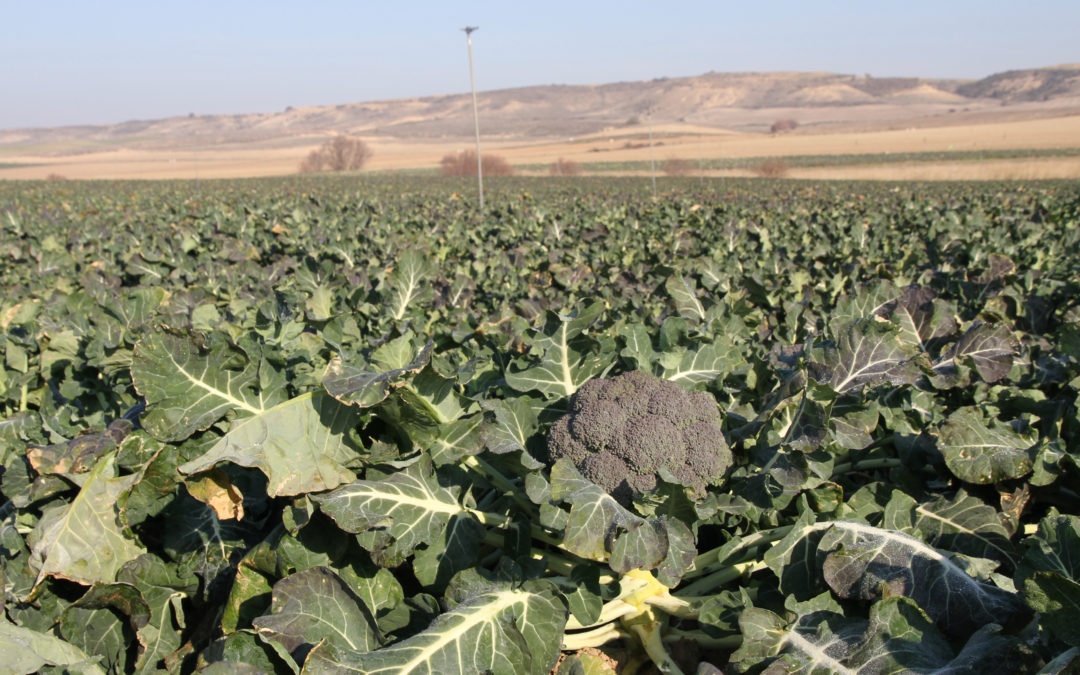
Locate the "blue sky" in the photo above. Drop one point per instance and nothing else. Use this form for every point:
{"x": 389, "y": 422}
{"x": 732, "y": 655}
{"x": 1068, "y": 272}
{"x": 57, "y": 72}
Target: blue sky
{"x": 64, "y": 62}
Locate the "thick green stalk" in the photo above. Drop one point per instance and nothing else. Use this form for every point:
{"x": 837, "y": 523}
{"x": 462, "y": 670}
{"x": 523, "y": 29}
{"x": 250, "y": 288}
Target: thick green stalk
{"x": 866, "y": 465}
{"x": 709, "y": 561}
{"x": 649, "y": 632}
{"x": 729, "y": 643}
{"x": 720, "y": 577}
{"x": 596, "y": 637}
{"x": 556, "y": 562}
{"x": 496, "y": 478}
{"x": 537, "y": 532}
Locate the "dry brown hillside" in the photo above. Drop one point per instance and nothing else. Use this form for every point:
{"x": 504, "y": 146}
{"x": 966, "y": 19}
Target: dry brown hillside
{"x": 1040, "y": 84}
{"x": 742, "y": 102}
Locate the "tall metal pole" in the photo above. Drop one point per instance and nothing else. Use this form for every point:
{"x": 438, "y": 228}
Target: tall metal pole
{"x": 476, "y": 115}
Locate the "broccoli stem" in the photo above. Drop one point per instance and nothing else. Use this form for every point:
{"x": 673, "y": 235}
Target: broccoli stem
{"x": 674, "y": 606}
{"x": 596, "y": 637}
{"x": 709, "y": 561}
{"x": 866, "y": 465}
{"x": 537, "y": 532}
{"x": 558, "y": 563}
{"x": 727, "y": 643}
{"x": 648, "y": 630}
{"x": 612, "y": 610}
{"x": 721, "y": 577}
{"x": 496, "y": 478}
{"x": 617, "y": 607}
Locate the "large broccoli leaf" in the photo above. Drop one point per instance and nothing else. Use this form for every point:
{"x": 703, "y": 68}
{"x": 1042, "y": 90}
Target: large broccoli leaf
{"x": 503, "y": 630}
{"x": 566, "y": 360}
{"x": 302, "y": 445}
{"x": 859, "y": 561}
{"x": 315, "y": 606}
{"x": 897, "y": 638}
{"x": 964, "y": 524}
{"x": 1050, "y": 572}
{"x": 416, "y": 512}
{"x": 187, "y": 391}
{"x": 28, "y": 651}
{"x": 368, "y": 385}
{"x": 979, "y": 448}
{"x": 84, "y": 541}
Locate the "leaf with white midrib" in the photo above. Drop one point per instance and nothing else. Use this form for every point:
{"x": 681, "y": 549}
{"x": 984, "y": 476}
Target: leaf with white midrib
{"x": 409, "y": 505}
{"x": 14, "y": 427}
{"x": 861, "y": 559}
{"x": 84, "y": 540}
{"x": 955, "y": 516}
{"x": 514, "y": 422}
{"x": 457, "y": 439}
{"x": 301, "y": 445}
{"x": 819, "y": 658}
{"x": 562, "y": 368}
{"x": 187, "y": 391}
{"x": 705, "y": 364}
{"x": 867, "y": 302}
{"x": 979, "y": 448}
{"x": 868, "y": 352}
{"x": 898, "y": 639}
{"x": 600, "y": 528}
{"x": 684, "y": 292}
{"x": 991, "y": 349}
{"x": 365, "y": 387}
{"x": 499, "y": 631}
{"x": 408, "y": 282}
{"x": 922, "y": 317}
{"x": 963, "y": 524}
{"x": 858, "y": 561}
{"x": 561, "y": 371}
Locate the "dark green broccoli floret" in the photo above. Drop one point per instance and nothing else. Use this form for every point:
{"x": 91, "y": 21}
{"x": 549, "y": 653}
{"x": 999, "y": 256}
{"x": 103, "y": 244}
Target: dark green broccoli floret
{"x": 620, "y": 431}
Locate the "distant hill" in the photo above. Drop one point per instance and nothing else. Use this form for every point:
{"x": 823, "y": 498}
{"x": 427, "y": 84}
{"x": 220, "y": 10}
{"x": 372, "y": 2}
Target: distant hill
{"x": 1038, "y": 84}
{"x": 742, "y": 101}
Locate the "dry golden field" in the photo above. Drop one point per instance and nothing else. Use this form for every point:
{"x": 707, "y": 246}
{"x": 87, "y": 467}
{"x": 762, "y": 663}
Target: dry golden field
{"x": 671, "y": 141}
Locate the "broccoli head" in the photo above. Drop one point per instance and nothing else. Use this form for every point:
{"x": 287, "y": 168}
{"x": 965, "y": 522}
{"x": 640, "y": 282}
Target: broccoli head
{"x": 620, "y": 431}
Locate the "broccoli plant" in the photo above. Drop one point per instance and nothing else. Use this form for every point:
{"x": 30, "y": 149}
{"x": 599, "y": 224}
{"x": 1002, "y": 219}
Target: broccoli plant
{"x": 621, "y": 432}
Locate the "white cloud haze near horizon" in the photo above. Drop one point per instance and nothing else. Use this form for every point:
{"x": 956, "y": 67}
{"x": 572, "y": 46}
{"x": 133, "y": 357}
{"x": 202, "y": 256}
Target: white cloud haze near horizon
{"x": 66, "y": 62}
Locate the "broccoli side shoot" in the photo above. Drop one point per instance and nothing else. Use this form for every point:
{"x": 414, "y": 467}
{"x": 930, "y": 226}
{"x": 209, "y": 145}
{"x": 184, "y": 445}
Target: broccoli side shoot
{"x": 620, "y": 431}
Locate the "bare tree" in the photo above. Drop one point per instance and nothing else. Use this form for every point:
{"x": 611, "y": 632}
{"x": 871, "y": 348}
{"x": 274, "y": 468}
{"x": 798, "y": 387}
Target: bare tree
{"x": 465, "y": 164}
{"x": 564, "y": 167}
{"x": 783, "y": 125}
{"x": 771, "y": 168}
{"x": 340, "y": 153}
{"x": 676, "y": 166}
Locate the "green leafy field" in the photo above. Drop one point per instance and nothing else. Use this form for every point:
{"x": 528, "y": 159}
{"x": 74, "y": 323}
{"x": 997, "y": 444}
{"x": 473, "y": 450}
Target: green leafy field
{"x": 301, "y": 425}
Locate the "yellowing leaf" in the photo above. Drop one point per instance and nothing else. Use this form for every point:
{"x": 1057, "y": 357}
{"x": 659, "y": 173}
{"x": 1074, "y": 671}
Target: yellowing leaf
{"x": 301, "y": 445}
{"x": 214, "y": 489}
{"x": 84, "y": 540}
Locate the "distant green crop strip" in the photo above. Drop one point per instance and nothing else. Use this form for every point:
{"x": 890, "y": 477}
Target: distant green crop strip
{"x": 811, "y": 161}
